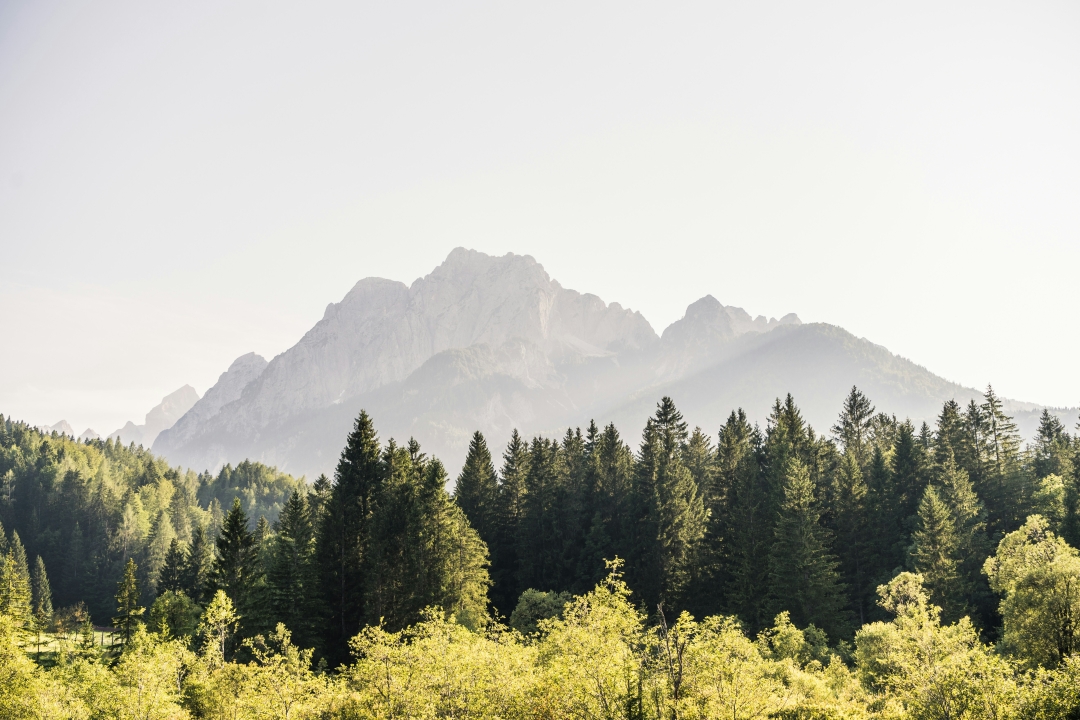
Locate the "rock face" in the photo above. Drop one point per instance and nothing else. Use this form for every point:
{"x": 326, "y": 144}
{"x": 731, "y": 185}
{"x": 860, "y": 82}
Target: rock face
{"x": 515, "y": 322}
{"x": 161, "y": 417}
{"x": 493, "y": 343}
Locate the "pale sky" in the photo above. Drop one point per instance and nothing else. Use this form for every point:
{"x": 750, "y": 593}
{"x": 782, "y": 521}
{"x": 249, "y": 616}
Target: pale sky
{"x": 181, "y": 183}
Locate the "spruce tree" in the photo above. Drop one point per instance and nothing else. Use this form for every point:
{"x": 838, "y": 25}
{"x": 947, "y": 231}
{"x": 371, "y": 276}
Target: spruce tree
{"x": 41, "y": 593}
{"x": 16, "y": 599}
{"x": 477, "y": 488}
{"x": 128, "y": 610}
{"x": 511, "y": 501}
{"x": 293, "y": 574}
{"x": 751, "y": 524}
{"x": 852, "y": 430}
{"x": 854, "y": 534}
{"x": 934, "y": 553}
{"x": 973, "y": 544}
{"x": 803, "y": 572}
{"x": 345, "y": 535}
{"x": 610, "y": 473}
{"x": 1007, "y": 488}
{"x": 42, "y": 605}
{"x": 235, "y": 569}
{"x": 671, "y": 515}
{"x": 200, "y": 561}
{"x": 174, "y": 572}
{"x": 423, "y": 552}
{"x": 72, "y": 567}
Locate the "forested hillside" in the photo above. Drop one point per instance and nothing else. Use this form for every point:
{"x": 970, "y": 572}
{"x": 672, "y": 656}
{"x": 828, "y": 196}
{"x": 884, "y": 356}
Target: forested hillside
{"x": 873, "y": 569}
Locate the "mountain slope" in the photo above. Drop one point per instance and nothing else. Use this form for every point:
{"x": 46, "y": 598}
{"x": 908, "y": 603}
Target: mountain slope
{"x": 161, "y": 417}
{"x": 493, "y": 343}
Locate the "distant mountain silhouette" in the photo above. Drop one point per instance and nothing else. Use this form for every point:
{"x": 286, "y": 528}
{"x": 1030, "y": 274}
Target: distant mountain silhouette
{"x": 493, "y": 343}
{"x": 161, "y": 417}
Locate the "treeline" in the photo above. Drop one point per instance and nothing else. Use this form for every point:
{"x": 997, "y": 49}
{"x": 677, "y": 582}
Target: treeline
{"x": 86, "y": 508}
{"x": 763, "y": 520}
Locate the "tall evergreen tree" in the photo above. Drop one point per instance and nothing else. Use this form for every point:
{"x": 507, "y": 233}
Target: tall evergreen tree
{"x": 973, "y": 544}
{"x": 73, "y": 565}
{"x": 1009, "y": 484}
{"x": 803, "y": 572}
{"x": 41, "y": 598}
{"x": 345, "y": 534}
{"x": 852, "y": 430}
{"x": 423, "y": 552}
{"x": 854, "y": 535}
{"x": 293, "y": 574}
{"x": 610, "y": 478}
{"x": 200, "y": 562}
{"x": 511, "y": 500}
{"x": 671, "y": 513}
{"x": 934, "y": 553}
{"x": 175, "y": 569}
{"x": 477, "y": 488}
{"x": 41, "y": 594}
{"x": 751, "y": 520}
{"x": 128, "y": 610}
{"x": 235, "y": 569}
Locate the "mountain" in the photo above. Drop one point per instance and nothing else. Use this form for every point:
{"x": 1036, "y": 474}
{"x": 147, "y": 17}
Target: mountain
{"x": 493, "y": 343}
{"x": 161, "y": 417}
{"x": 63, "y": 427}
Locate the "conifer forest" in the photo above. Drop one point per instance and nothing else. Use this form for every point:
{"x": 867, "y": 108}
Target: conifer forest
{"x": 873, "y": 569}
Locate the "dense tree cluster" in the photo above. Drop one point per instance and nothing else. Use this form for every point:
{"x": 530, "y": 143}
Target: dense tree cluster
{"x": 781, "y": 518}
{"x": 882, "y": 570}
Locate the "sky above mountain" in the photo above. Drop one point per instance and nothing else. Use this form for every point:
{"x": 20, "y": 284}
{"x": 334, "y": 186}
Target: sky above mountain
{"x": 183, "y": 184}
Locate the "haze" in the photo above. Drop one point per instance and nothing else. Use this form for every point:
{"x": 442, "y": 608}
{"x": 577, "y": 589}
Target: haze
{"x": 181, "y": 184}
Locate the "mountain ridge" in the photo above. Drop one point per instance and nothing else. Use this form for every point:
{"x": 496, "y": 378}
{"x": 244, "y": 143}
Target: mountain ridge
{"x": 495, "y": 343}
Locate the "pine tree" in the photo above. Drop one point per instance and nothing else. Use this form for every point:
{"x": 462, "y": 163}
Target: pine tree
{"x": 671, "y": 514}
{"x": 973, "y": 544}
{"x": 511, "y": 501}
{"x": 423, "y": 553}
{"x": 345, "y": 534}
{"x": 803, "y": 573}
{"x": 934, "y": 553}
{"x": 852, "y": 430}
{"x": 72, "y": 566}
{"x": 128, "y": 610}
{"x": 854, "y": 535}
{"x": 196, "y": 572}
{"x": 42, "y": 605}
{"x": 41, "y": 593}
{"x": 1005, "y": 488}
{"x": 293, "y": 574}
{"x": 477, "y": 488}
{"x": 235, "y": 570}
{"x": 751, "y": 524}
{"x": 610, "y": 477}
{"x": 174, "y": 571}
{"x": 16, "y": 599}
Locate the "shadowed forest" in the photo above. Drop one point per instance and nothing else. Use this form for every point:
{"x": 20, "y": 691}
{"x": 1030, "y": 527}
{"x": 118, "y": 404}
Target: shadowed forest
{"x": 876, "y": 569}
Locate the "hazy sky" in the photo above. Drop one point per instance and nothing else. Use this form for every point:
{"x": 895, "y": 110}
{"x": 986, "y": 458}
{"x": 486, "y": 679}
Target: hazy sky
{"x": 181, "y": 183}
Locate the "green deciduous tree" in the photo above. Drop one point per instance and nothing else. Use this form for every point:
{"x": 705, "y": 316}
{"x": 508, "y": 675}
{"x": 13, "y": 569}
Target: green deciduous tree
{"x": 1038, "y": 576}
